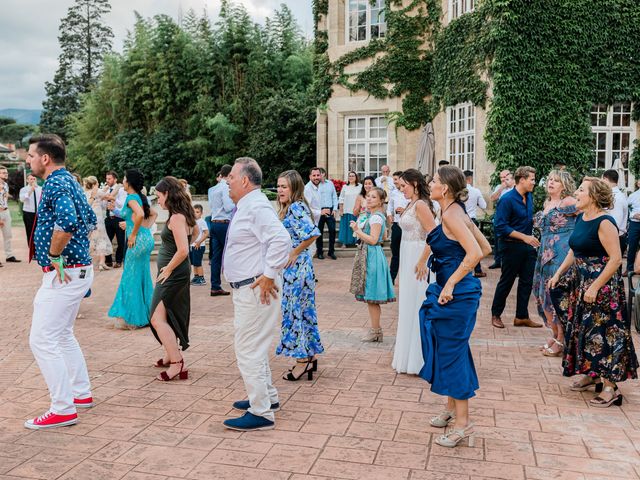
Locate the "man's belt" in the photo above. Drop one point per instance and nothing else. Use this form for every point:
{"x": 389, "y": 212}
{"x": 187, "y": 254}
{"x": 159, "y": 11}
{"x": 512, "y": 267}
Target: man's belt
{"x": 51, "y": 268}
{"x": 243, "y": 283}
{"x": 220, "y": 221}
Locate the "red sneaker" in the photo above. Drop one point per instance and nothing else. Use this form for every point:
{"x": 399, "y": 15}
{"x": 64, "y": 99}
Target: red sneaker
{"x": 83, "y": 402}
{"x": 51, "y": 420}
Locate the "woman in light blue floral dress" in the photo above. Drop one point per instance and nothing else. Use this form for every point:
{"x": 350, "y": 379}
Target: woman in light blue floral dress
{"x": 300, "y": 337}
{"x": 555, "y": 224}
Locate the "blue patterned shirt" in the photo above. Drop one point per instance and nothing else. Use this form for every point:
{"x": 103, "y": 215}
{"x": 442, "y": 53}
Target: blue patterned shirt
{"x": 64, "y": 207}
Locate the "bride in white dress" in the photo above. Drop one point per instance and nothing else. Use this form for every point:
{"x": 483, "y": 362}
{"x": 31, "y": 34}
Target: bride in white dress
{"x": 416, "y": 222}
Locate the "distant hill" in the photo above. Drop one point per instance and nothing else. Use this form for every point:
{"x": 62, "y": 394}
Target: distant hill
{"x": 28, "y": 117}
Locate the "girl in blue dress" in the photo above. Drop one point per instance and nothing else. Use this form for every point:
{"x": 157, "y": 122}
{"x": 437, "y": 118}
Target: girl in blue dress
{"x": 448, "y": 314}
{"x": 300, "y": 337}
{"x": 131, "y": 306}
{"x": 378, "y": 287}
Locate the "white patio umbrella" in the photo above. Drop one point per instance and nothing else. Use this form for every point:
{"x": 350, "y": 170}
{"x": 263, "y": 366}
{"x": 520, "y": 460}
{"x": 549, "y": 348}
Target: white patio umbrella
{"x": 622, "y": 180}
{"x": 425, "y": 156}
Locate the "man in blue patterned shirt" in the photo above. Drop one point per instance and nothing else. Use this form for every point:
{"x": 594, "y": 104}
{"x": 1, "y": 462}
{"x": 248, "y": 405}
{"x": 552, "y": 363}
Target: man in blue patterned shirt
{"x": 61, "y": 241}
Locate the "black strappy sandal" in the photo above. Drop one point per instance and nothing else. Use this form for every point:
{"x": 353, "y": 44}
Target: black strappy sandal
{"x": 308, "y": 369}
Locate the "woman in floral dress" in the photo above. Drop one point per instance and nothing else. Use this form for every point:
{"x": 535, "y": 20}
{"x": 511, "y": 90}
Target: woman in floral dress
{"x": 590, "y": 300}
{"x": 300, "y": 337}
{"x": 555, "y": 223}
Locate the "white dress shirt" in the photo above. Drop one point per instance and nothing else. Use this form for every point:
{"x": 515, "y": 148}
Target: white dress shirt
{"x": 385, "y": 183}
{"x": 257, "y": 242}
{"x": 26, "y": 197}
{"x": 220, "y": 202}
{"x": 620, "y": 210}
{"x": 348, "y": 196}
{"x": 474, "y": 201}
{"x": 312, "y": 196}
{"x": 396, "y": 200}
{"x": 634, "y": 205}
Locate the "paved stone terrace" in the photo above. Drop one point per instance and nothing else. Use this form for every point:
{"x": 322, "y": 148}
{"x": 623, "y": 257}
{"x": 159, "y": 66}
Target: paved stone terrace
{"x": 357, "y": 419}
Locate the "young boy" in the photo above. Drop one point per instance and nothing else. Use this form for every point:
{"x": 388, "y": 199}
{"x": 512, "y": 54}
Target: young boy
{"x": 196, "y": 252}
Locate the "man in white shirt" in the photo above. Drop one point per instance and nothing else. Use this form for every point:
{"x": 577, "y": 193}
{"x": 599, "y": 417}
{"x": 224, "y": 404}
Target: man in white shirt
{"x": 633, "y": 233}
{"x": 506, "y": 185}
{"x": 385, "y": 180}
{"x": 395, "y": 207}
{"x": 620, "y": 210}
{"x": 30, "y": 196}
{"x": 474, "y": 201}
{"x": 314, "y": 199}
{"x": 221, "y": 211}
{"x": 115, "y": 198}
{"x": 257, "y": 250}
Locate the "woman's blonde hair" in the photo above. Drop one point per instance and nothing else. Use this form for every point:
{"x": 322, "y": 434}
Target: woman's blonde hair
{"x": 600, "y": 192}
{"x": 565, "y": 178}
{"x": 89, "y": 182}
{"x": 454, "y": 178}
{"x": 382, "y": 195}
{"x": 296, "y": 187}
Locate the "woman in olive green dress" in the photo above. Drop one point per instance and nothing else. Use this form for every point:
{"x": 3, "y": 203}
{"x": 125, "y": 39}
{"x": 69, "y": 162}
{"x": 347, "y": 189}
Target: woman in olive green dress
{"x": 171, "y": 303}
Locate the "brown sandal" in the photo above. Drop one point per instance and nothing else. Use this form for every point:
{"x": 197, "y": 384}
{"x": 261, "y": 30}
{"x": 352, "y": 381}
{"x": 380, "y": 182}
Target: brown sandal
{"x": 181, "y": 375}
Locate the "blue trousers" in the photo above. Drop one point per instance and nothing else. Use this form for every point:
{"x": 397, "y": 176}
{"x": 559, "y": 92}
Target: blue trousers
{"x": 633, "y": 237}
{"x": 218, "y": 234}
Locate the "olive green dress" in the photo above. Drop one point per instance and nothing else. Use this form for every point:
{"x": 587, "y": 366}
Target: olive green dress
{"x": 174, "y": 293}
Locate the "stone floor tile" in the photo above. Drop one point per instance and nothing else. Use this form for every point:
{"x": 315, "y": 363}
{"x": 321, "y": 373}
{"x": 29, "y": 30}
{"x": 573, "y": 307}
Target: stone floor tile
{"x": 170, "y": 461}
{"x": 327, "y": 424}
{"x": 537, "y": 473}
{"x": 214, "y": 471}
{"x": 48, "y": 464}
{"x": 95, "y": 470}
{"x": 371, "y": 430}
{"x": 348, "y": 454}
{"x": 502, "y": 471}
{"x": 584, "y": 465}
{"x": 297, "y": 459}
{"x": 234, "y": 457}
{"x": 357, "y": 471}
{"x": 407, "y": 455}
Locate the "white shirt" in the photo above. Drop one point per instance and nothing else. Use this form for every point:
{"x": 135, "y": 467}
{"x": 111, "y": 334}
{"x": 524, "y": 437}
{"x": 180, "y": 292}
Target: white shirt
{"x": 385, "y": 183}
{"x": 348, "y": 196}
{"x": 312, "y": 196}
{"x": 257, "y": 242}
{"x": 396, "y": 200}
{"x": 220, "y": 202}
{"x": 121, "y": 196}
{"x": 202, "y": 227}
{"x": 474, "y": 201}
{"x": 634, "y": 205}
{"x": 620, "y": 210}
{"x": 26, "y": 197}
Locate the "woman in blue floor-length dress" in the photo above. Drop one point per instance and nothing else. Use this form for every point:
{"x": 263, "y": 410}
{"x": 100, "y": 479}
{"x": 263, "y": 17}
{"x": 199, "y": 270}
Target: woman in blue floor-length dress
{"x": 448, "y": 314}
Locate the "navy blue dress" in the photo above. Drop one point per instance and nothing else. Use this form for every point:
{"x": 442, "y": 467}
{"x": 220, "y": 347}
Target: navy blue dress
{"x": 445, "y": 329}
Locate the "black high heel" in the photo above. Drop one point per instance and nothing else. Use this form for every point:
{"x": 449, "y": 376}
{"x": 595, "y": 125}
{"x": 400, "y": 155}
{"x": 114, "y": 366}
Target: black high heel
{"x": 315, "y": 365}
{"x": 308, "y": 369}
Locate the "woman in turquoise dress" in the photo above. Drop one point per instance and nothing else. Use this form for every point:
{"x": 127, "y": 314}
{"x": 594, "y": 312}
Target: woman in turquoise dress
{"x": 378, "y": 285}
{"x": 300, "y": 337}
{"x": 555, "y": 224}
{"x": 132, "y": 304}
{"x": 448, "y": 314}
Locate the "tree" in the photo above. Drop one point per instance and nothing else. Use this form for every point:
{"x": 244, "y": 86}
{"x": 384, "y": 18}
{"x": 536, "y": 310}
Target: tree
{"x": 85, "y": 41}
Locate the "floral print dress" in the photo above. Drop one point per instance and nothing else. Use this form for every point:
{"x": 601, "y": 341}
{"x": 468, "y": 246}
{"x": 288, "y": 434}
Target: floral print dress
{"x": 598, "y": 339}
{"x": 299, "y": 337}
{"x": 555, "y": 228}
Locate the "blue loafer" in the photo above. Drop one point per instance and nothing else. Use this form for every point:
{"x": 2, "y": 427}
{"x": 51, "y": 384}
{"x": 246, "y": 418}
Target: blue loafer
{"x": 244, "y": 405}
{"x": 249, "y": 422}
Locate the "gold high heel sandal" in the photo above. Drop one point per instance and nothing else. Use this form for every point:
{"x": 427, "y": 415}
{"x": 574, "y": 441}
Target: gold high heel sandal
{"x": 454, "y": 436}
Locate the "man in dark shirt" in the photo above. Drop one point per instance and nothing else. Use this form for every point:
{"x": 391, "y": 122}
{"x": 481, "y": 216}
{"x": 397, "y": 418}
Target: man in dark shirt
{"x": 514, "y": 224}
{"x": 60, "y": 244}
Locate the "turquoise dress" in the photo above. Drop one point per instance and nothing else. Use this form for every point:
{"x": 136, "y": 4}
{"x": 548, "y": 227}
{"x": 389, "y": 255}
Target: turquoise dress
{"x": 378, "y": 285}
{"x": 133, "y": 299}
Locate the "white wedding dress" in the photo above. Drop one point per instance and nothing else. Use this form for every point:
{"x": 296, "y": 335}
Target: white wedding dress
{"x": 407, "y": 356}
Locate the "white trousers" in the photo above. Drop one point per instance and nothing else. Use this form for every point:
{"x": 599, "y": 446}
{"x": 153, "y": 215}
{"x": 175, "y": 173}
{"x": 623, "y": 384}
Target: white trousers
{"x": 5, "y": 216}
{"x": 254, "y": 324}
{"x": 52, "y": 341}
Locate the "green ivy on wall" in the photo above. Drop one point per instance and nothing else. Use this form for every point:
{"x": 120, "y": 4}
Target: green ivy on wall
{"x": 547, "y": 62}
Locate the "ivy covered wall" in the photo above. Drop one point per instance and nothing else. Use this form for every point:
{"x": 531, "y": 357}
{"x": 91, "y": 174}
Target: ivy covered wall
{"x": 545, "y": 62}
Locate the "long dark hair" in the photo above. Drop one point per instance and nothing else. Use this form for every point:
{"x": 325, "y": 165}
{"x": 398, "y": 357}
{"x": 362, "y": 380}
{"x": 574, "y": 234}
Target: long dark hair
{"x": 362, "y": 190}
{"x": 177, "y": 199}
{"x": 454, "y": 178}
{"x": 135, "y": 179}
{"x": 416, "y": 179}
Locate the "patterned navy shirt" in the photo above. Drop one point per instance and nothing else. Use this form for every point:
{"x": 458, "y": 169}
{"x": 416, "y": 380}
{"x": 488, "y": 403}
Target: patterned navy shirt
{"x": 64, "y": 207}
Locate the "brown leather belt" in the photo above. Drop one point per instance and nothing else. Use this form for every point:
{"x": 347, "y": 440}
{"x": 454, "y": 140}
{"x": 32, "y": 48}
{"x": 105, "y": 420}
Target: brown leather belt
{"x": 219, "y": 221}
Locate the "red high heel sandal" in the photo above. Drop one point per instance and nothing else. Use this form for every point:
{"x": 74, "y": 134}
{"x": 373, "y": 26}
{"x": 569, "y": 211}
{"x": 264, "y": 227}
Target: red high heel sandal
{"x": 181, "y": 375}
{"x": 160, "y": 364}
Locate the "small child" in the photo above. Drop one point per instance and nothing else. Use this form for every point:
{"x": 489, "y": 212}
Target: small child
{"x": 378, "y": 288}
{"x": 196, "y": 252}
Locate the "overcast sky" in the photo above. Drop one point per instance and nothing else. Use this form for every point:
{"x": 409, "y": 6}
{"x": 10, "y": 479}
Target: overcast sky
{"x": 29, "y": 36}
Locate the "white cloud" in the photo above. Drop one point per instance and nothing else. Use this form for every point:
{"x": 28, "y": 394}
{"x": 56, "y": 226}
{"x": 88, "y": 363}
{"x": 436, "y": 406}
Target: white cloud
{"x": 29, "y": 36}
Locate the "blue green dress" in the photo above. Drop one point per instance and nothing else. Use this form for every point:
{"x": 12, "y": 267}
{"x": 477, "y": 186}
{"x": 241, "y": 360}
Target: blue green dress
{"x": 133, "y": 299}
{"x": 300, "y": 337}
{"x": 378, "y": 285}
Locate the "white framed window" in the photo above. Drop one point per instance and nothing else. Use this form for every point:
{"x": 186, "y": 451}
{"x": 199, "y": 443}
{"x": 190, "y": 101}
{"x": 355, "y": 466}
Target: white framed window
{"x": 366, "y": 145}
{"x": 461, "y": 136}
{"x": 365, "y": 20}
{"x": 460, "y": 7}
{"x": 613, "y": 136}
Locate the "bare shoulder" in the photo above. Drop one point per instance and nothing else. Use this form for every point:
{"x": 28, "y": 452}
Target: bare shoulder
{"x": 177, "y": 220}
